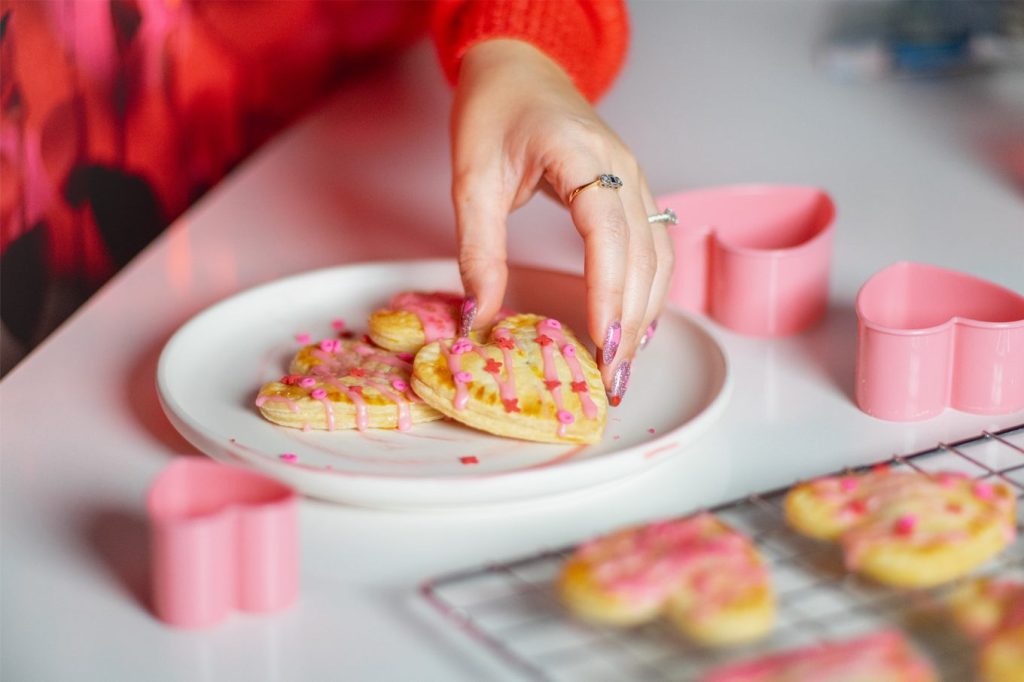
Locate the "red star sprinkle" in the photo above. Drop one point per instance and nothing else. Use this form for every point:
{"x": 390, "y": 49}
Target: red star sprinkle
{"x": 290, "y": 379}
{"x": 858, "y": 506}
{"x": 506, "y": 342}
{"x": 579, "y": 386}
{"x": 552, "y": 385}
{"x": 904, "y": 525}
{"x": 511, "y": 405}
{"x": 880, "y": 469}
{"x": 492, "y": 366}
{"x": 358, "y": 390}
{"x": 357, "y": 372}
{"x": 367, "y": 339}
{"x": 469, "y": 460}
{"x": 544, "y": 340}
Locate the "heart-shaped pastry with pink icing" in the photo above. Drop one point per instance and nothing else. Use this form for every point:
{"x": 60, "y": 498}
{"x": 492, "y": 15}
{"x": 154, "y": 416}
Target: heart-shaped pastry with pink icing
{"x": 345, "y": 384}
{"x": 531, "y": 380}
{"x": 991, "y": 612}
{"x": 413, "y": 319}
{"x": 906, "y": 528}
{"x": 707, "y": 577}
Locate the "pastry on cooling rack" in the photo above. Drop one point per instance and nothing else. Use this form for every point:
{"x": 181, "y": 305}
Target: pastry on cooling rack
{"x": 906, "y": 529}
{"x": 345, "y": 384}
{"x": 414, "y": 318}
{"x": 706, "y": 577}
{"x": 532, "y": 379}
{"x": 880, "y": 657}
{"x": 992, "y": 612}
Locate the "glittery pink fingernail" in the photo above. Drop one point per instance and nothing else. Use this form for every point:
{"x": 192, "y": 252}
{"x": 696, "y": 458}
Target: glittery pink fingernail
{"x": 468, "y": 315}
{"x": 648, "y": 335}
{"x": 611, "y": 342}
{"x": 620, "y": 382}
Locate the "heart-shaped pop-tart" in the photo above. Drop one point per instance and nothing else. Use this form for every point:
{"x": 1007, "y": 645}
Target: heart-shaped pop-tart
{"x": 906, "y": 529}
{"x": 345, "y": 384}
{"x": 532, "y": 380}
{"x": 884, "y": 656}
{"x": 706, "y": 576}
{"x": 415, "y": 318}
{"x": 991, "y": 611}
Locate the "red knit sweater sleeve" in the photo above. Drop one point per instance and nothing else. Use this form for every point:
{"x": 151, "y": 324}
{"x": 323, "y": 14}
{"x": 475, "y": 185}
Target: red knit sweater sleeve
{"x": 587, "y": 37}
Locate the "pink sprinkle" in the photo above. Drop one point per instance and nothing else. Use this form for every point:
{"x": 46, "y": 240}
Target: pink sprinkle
{"x": 303, "y": 338}
{"x": 462, "y": 346}
{"x": 565, "y": 417}
{"x": 905, "y": 525}
{"x": 848, "y": 484}
{"x": 650, "y": 430}
{"x": 553, "y": 323}
{"x": 399, "y": 385}
{"x": 947, "y": 480}
{"x": 405, "y": 357}
{"x": 984, "y": 491}
{"x": 307, "y": 382}
{"x": 289, "y": 457}
{"x": 318, "y": 394}
{"x": 463, "y": 377}
{"x": 330, "y": 345}
{"x": 338, "y": 324}
{"x": 569, "y": 350}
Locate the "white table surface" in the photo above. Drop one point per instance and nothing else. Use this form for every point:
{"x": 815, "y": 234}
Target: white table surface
{"x": 714, "y": 93}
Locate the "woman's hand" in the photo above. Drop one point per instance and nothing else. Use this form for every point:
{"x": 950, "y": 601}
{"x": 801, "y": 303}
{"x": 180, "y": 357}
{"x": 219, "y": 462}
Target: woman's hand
{"x": 520, "y": 124}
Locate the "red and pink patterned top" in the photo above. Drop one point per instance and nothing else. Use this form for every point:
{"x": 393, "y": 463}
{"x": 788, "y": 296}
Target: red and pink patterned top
{"x": 117, "y": 114}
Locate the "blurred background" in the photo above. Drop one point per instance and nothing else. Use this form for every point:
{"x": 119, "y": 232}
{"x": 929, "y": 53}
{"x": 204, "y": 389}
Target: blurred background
{"x": 117, "y": 115}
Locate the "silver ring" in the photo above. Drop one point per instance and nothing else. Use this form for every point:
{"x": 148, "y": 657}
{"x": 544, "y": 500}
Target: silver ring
{"x": 667, "y": 215}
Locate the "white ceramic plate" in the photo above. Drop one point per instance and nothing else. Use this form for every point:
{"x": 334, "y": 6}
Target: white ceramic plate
{"x": 211, "y": 369}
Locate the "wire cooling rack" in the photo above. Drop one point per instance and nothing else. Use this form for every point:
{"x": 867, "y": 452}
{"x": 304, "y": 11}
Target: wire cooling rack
{"x": 512, "y": 608}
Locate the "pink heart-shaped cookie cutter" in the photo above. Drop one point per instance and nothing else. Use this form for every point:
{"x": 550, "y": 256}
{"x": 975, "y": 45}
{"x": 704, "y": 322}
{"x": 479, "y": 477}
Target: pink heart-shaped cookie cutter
{"x": 223, "y": 538}
{"x": 753, "y": 257}
{"x": 931, "y": 338}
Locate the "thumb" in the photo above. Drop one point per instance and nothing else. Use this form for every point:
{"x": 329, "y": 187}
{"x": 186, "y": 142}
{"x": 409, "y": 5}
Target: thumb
{"x": 481, "y": 212}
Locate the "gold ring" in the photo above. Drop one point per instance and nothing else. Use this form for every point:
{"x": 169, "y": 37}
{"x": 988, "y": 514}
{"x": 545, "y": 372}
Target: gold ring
{"x": 604, "y": 180}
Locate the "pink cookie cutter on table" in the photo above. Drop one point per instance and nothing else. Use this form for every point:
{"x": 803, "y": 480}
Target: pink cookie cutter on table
{"x": 223, "y": 538}
{"x": 753, "y": 257}
{"x": 930, "y": 338}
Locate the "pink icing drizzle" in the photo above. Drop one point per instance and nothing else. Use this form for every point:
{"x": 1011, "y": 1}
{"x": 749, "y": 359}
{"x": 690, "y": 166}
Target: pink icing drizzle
{"x": 455, "y": 368}
{"x": 263, "y": 399}
{"x": 506, "y": 385}
{"x": 883, "y": 655}
{"x": 878, "y": 508}
{"x": 553, "y": 329}
{"x": 504, "y": 378}
{"x": 437, "y": 312}
{"x": 336, "y": 361}
{"x": 649, "y": 562}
